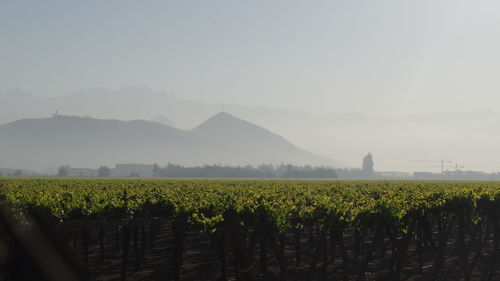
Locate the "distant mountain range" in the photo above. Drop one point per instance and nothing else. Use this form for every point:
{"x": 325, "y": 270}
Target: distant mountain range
{"x": 467, "y": 138}
{"x": 87, "y": 142}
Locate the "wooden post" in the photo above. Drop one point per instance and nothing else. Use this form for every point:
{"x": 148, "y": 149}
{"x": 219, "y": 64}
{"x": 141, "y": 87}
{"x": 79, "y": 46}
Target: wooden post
{"x": 244, "y": 262}
{"x": 297, "y": 246}
{"x": 101, "y": 243}
{"x": 126, "y": 244}
{"x": 220, "y": 247}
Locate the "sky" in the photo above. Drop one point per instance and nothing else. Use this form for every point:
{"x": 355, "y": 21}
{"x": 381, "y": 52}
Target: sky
{"x": 375, "y": 57}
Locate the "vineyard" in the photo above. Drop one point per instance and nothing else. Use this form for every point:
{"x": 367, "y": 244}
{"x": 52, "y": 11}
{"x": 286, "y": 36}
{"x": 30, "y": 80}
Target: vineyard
{"x": 129, "y": 229}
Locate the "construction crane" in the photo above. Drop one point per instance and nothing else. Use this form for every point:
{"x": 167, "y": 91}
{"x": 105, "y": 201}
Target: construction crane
{"x": 442, "y": 161}
{"x": 458, "y": 167}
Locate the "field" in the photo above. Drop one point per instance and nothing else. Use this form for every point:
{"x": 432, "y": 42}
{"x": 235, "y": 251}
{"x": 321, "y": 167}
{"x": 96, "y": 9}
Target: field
{"x": 128, "y": 229}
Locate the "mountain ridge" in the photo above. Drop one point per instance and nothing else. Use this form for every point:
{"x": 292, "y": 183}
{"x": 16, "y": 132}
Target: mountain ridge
{"x": 89, "y": 142}
{"x": 238, "y": 127}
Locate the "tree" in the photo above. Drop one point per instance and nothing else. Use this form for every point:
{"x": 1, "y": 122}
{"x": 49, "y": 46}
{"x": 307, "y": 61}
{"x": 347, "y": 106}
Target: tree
{"x": 17, "y": 173}
{"x": 368, "y": 165}
{"x": 103, "y": 172}
{"x": 63, "y": 171}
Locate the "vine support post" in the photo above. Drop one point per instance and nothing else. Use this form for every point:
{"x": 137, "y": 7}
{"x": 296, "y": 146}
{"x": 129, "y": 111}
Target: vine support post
{"x": 117, "y": 238}
{"x": 357, "y": 243}
{"x": 332, "y": 244}
{"x": 297, "y": 246}
{"x": 143, "y": 240}
{"x": 311, "y": 236}
{"x": 318, "y": 251}
{"x": 364, "y": 262}
{"x": 495, "y": 251}
{"x": 244, "y": 263}
{"x": 324, "y": 257}
{"x": 101, "y": 243}
{"x": 178, "y": 233}
{"x": 419, "y": 246}
{"x": 85, "y": 243}
{"x": 281, "y": 256}
{"x": 263, "y": 253}
{"x": 126, "y": 244}
{"x": 220, "y": 247}
{"x": 402, "y": 250}
{"x": 345, "y": 255}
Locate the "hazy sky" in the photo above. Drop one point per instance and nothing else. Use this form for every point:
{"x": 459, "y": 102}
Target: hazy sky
{"x": 376, "y": 57}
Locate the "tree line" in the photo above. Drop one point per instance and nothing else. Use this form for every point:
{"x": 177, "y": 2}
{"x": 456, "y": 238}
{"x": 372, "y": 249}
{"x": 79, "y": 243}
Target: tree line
{"x": 261, "y": 171}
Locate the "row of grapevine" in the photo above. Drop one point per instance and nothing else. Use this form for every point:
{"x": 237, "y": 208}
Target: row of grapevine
{"x": 417, "y": 217}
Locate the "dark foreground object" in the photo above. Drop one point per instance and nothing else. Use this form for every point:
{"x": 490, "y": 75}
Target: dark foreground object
{"x": 431, "y": 248}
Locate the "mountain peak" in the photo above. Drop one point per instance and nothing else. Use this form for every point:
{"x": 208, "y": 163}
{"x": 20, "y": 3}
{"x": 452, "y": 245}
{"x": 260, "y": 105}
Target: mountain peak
{"x": 227, "y": 129}
{"x": 230, "y": 130}
{"x": 224, "y": 115}
{"x": 224, "y": 122}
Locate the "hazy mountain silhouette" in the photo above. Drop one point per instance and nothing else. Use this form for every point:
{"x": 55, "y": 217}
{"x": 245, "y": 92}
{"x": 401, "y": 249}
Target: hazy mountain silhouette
{"x": 226, "y": 129}
{"x": 87, "y": 142}
{"x": 164, "y": 120}
{"x": 470, "y": 138}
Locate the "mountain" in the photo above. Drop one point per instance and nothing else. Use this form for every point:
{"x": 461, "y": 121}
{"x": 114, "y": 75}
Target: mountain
{"x": 469, "y": 138}
{"x": 163, "y": 120}
{"x": 226, "y": 129}
{"x": 87, "y": 142}
{"x": 133, "y": 102}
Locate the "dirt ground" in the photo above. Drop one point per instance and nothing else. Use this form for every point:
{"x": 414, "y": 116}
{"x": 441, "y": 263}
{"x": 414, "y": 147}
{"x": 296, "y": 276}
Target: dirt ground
{"x": 200, "y": 260}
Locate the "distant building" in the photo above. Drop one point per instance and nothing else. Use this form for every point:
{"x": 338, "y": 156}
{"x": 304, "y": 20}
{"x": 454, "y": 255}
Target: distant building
{"x": 78, "y": 172}
{"x": 426, "y": 175}
{"x": 466, "y": 174}
{"x": 132, "y": 170}
{"x": 455, "y": 175}
{"x": 392, "y": 175}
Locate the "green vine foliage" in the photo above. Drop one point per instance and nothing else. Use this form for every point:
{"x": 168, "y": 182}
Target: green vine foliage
{"x": 273, "y": 205}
